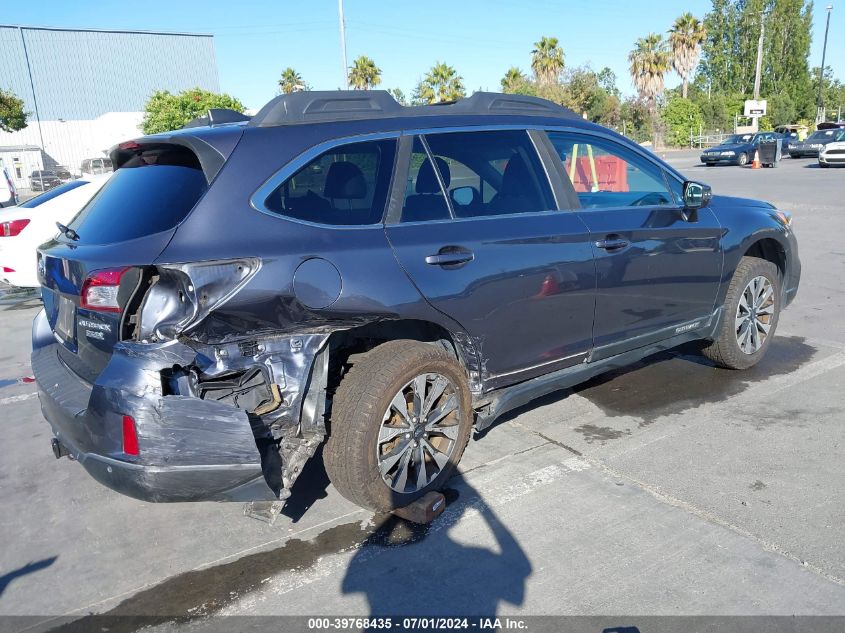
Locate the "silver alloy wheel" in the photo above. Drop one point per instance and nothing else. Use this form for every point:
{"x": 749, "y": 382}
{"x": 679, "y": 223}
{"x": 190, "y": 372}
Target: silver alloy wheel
{"x": 754, "y": 314}
{"x": 418, "y": 433}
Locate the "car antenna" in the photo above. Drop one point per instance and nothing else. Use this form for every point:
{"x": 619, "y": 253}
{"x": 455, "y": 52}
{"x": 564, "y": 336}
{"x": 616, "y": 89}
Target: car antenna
{"x": 68, "y": 232}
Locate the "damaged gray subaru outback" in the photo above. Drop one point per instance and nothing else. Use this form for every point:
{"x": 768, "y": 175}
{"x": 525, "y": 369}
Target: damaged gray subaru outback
{"x": 344, "y": 269}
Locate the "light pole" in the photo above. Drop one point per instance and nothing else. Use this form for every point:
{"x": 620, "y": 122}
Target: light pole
{"x": 343, "y": 44}
{"x": 759, "y": 55}
{"x": 819, "y": 104}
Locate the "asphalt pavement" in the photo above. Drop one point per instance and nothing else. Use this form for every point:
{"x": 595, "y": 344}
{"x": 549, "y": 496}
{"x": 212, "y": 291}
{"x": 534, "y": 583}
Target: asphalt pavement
{"x": 667, "y": 488}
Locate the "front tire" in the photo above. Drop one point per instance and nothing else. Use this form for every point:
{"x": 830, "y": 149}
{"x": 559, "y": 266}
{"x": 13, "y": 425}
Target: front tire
{"x": 750, "y": 317}
{"x": 401, "y": 419}
{"x": 742, "y": 160}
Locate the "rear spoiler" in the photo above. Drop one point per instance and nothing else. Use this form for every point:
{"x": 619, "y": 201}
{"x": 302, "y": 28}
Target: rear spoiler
{"x": 217, "y": 116}
{"x": 210, "y": 156}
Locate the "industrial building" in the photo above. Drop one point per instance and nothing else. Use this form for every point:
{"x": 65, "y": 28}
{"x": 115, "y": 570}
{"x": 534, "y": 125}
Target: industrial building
{"x": 85, "y": 89}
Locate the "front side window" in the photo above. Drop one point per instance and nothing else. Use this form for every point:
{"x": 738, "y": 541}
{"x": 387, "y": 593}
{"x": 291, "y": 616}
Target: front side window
{"x": 484, "y": 174}
{"x": 605, "y": 174}
{"x": 345, "y": 186}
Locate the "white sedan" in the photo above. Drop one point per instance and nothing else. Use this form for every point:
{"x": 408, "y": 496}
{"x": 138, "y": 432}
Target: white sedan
{"x": 28, "y": 225}
{"x": 832, "y": 154}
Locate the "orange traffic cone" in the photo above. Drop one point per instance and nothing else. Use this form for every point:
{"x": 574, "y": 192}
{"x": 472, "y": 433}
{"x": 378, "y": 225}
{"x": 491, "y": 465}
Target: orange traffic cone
{"x": 755, "y": 164}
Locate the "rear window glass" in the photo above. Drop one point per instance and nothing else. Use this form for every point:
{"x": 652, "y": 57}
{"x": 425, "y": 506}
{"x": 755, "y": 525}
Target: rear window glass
{"x": 346, "y": 185}
{"x": 49, "y": 195}
{"x": 140, "y": 201}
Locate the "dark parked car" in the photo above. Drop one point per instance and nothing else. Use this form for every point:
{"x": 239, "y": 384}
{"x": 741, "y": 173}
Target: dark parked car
{"x": 43, "y": 179}
{"x": 382, "y": 278}
{"x": 737, "y": 149}
{"x": 813, "y": 144}
{"x": 63, "y": 173}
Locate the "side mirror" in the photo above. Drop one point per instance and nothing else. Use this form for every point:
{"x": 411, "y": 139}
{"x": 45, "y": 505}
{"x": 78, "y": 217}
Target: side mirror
{"x": 696, "y": 196}
{"x": 464, "y": 196}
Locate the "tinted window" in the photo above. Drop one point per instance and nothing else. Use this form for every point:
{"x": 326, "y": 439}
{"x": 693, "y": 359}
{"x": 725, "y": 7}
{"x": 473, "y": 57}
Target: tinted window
{"x": 605, "y": 174}
{"x": 346, "y": 185}
{"x": 140, "y": 201}
{"x": 490, "y": 173}
{"x": 49, "y": 195}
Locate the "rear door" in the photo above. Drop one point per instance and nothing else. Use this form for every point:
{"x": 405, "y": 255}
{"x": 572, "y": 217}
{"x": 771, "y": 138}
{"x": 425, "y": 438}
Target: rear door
{"x": 657, "y": 272}
{"x": 89, "y": 273}
{"x": 481, "y": 236}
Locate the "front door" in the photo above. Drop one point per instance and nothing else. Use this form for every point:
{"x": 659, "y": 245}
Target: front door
{"x": 480, "y": 235}
{"x": 658, "y": 274}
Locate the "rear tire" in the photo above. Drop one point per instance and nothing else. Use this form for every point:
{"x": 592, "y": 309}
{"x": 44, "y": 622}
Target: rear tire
{"x": 373, "y": 441}
{"x": 750, "y": 317}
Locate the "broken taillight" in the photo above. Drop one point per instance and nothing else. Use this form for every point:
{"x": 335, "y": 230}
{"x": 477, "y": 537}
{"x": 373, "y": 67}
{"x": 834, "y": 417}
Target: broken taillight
{"x": 130, "y": 436}
{"x": 99, "y": 291}
{"x": 12, "y": 228}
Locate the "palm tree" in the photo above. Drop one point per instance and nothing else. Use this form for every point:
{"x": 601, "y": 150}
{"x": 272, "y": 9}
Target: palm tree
{"x": 291, "y": 81}
{"x": 364, "y": 74}
{"x": 513, "y": 80}
{"x": 650, "y": 61}
{"x": 441, "y": 83}
{"x": 685, "y": 37}
{"x": 547, "y": 60}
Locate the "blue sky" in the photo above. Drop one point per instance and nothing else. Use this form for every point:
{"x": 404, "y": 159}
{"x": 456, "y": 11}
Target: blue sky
{"x": 481, "y": 38}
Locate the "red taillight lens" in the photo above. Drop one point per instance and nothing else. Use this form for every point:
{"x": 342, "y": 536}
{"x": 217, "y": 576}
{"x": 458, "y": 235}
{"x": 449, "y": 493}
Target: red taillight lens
{"x": 10, "y": 229}
{"x": 6, "y": 269}
{"x": 99, "y": 292}
{"x": 130, "y": 436}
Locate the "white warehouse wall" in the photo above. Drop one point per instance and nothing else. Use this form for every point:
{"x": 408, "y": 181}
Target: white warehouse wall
{"x": 69, "y": 142}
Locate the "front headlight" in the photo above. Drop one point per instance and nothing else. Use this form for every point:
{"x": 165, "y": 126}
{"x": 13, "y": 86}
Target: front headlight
{"x": 728, "y": 153}
{"x": 785, "y": 218}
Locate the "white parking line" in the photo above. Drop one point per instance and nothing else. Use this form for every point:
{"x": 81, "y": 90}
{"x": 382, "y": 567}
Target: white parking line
{"x": 18, "y": 398}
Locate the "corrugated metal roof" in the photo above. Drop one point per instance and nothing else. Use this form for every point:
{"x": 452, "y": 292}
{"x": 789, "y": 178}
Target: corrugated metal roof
{"x": 84, "y": 73}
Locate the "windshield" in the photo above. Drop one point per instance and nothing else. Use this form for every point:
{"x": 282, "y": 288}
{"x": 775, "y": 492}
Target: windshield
{"x": 823, "y": 135}
{"x": 737, "y": 138}
{"x": 49, "y": 195}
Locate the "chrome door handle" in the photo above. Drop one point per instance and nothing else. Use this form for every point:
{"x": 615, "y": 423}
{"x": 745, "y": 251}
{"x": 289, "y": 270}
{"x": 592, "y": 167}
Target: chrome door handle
{"x": 612, "y": 244}
{"x": 450, "y": 256}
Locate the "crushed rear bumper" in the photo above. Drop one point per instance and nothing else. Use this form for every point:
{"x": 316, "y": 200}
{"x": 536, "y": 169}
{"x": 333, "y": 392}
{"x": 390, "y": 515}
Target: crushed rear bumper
{"x": 190, "y": 449}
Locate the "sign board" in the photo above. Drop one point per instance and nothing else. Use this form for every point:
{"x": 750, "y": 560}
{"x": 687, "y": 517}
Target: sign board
{"x": 755, "y": 108}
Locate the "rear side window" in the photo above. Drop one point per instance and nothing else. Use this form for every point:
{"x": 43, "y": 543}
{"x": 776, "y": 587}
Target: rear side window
{"x": 152, "y": 192}
{"x": 345, "y": 186}
{"x": 489, "y": 173}
{"x": 49, "y": 195}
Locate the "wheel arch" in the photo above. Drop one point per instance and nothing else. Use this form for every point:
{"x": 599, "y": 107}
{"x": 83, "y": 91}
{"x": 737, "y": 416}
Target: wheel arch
{"x": 771, "y": 250}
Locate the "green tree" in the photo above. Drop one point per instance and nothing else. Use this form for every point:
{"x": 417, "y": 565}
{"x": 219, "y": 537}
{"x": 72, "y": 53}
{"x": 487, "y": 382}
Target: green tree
{"x": 441, "y": 83}
{"x": 514, "y": 81}
{"x": 364, "y": 74}
{"x": 12, "y": 115}
{"x": 607, "y": 80}
{"x": 683, "y": 119}
{"x": 291, "y": 81}
{"x": 729, "y": 51}
{"x": 165, "y": 111}
{"x": 547, "y": 60}
{"x": 685, "y": 38}
{"x": 397, "y": 94}
{"x": 649, "y": 63}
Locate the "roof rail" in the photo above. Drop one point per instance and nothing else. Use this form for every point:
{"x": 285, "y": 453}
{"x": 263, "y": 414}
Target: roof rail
{"x": 345, "y": 105}
{"x": 217, "y": 116}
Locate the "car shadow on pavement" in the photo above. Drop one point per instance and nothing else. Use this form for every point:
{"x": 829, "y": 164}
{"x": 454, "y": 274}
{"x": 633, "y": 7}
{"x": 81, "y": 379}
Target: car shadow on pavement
{"x": 443, "y": 577}
{"x": 401, "y": 568}
{"x": 672, "y": 382}
{"x": 29, "y": 568}
{"x": 311, "y": 486}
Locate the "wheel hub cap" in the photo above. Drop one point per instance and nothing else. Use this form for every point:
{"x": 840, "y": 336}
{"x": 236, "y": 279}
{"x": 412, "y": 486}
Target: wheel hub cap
{"x": 418, "y": 433}
{"x": 755, "y": 314}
